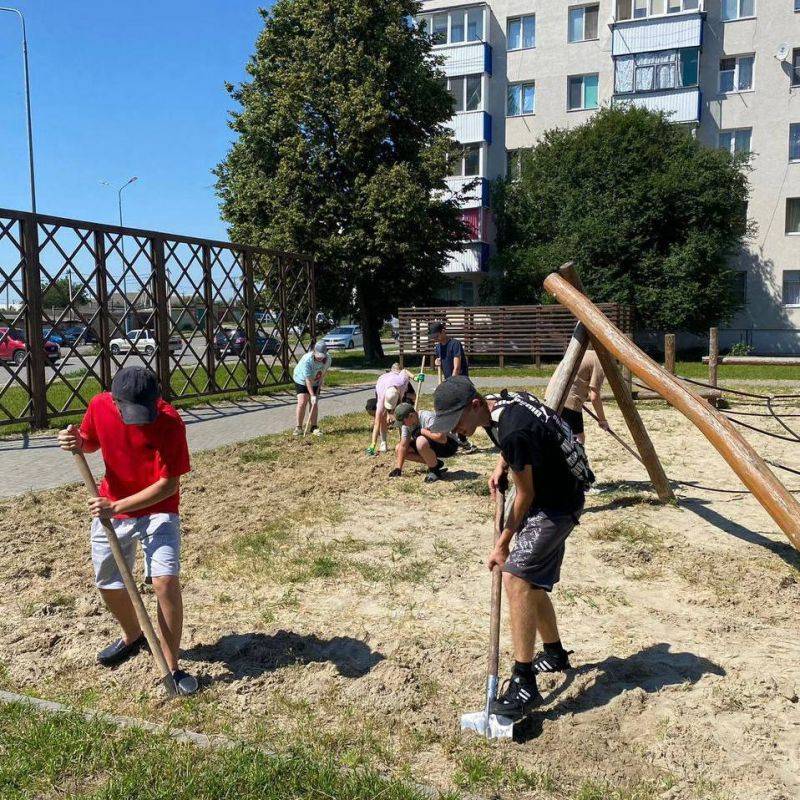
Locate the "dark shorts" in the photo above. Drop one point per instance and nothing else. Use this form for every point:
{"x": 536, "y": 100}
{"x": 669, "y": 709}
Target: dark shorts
{"x": 446, "y": 450}
{"x": 574, "y": 419}
{"x": 301, "y": 388}
{"x": 539, "y": 548}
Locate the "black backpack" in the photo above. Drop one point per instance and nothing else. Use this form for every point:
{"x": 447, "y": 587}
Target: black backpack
{"x": 573, "y": 451}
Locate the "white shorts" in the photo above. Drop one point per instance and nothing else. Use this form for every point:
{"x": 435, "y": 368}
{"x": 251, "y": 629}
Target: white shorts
{"x": 160, "y": 535}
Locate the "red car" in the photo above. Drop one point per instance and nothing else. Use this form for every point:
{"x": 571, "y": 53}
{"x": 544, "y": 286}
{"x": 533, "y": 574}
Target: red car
{"x": 13, "y": 347}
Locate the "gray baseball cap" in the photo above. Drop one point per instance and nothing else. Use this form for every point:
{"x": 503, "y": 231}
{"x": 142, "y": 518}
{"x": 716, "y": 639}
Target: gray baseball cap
{"x": 449, "y": 401}
{"x": 136, "y": 391}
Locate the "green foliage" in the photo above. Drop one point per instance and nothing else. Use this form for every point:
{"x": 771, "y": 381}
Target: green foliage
{"x": 649, "y": 216}
{"x": 342, "y": 146}
{"x": 740, "y": 349}
{"x": 57, "y": 295}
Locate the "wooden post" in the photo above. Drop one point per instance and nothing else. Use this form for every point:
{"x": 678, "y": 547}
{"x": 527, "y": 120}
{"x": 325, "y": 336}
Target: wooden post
{"x": 568, "y": 275}
{"x": 718, "y": 429}
{"x": 669, "y": 353}
{"x": 713, "y": 356}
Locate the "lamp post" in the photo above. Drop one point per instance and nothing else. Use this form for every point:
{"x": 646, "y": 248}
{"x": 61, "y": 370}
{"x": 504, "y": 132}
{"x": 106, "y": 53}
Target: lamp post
{"x": 27, "y": 102}
{"x": 122, "y": 246}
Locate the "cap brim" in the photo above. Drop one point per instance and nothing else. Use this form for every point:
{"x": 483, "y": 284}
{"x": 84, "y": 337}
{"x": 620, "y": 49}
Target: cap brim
{"x": 444, "y": 423}
{"x": 136, "y": 413}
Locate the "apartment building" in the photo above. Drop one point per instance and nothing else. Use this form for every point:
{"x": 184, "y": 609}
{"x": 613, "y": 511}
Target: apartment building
{"x": 727, "y": 69}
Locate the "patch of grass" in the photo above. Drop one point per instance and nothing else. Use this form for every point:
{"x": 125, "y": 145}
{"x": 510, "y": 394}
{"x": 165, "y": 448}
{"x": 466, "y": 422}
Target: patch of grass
{"x": 256, "y": 454}
{"x": 601, "y": 790}
{"x": 478, "y": 486}
{"x": 627, "y": 534}
{"x": 66, "y": 756}
{"x": 477, "y": 771}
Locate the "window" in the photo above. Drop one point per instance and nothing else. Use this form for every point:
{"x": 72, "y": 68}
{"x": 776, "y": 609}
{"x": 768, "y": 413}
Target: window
{"x": 582, "y": 92}
{"x": 797, "y": 5}
{"x": 739, "y": 288}
{"x": 521, "y": 99}
{"x": 521, "y": 32}
{"x": 471, "y": 160}
{"x": 583, "y": 23}
{"x": 791, "y": 287}
{"x": 655, "y": 72}
{"x": 736, "y": 74}
{"x": 636, "y": 9}
{"x": 736, "y": 141}
{"x": 793, "y": 215}
{"x": 467, "y": 92}
{"x": 454, "y": 28}
{"x": 738, "y": 9}
{"x": 796, "y": 66}
{"x": 794, "y": 140}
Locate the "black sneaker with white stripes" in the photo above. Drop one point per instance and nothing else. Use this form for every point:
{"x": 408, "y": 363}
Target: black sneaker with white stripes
{"x": 552, "y": 662}
{"x": 518, "y": 698}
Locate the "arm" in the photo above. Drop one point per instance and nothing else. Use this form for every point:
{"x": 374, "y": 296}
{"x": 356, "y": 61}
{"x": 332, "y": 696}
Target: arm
{"x": 436, "y": 437}
{"x": 380, "y": 415}
{"x": 522, "y": 503}
{"x": 71, "y": 440}
{"x": 499, "y": 477}
{"x": 457, "y": 365}
{"x": 150, "y": 495}
{"x": 597, "y": 403}
{"x": 402, "y": 452}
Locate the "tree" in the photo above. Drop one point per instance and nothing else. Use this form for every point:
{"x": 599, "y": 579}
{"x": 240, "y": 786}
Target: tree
{"x": 342, "y": 152}
{"x": 650, "y": 217}
{"x": 58, "y": 295}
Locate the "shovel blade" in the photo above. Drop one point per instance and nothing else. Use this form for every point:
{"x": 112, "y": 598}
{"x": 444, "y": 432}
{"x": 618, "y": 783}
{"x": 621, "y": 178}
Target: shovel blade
{"x": 491, "y": 726}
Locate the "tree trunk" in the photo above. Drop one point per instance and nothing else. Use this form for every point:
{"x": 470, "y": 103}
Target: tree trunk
{"x": 370, "y": 328}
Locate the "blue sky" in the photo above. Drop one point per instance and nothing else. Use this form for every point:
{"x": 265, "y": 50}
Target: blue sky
{"x": 123, "y": 88}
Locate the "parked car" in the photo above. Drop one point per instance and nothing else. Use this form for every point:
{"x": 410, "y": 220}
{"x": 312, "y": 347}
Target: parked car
{"x": 345, "y": 337}
{"x": 51, "y": 334}
{"x": 141, "y": 341}
{"x": 13, "y": 347}
{"x": 232, "y": 341}
{"x": 79, "y": 334}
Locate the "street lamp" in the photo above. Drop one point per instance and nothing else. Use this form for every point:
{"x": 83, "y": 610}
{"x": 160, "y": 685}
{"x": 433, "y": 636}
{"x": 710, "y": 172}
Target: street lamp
{"x": 122, "y": 244}
{"x": 27, "y": 101}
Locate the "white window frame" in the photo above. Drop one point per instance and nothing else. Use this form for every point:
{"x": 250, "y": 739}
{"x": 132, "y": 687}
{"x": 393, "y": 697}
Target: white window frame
{"x": 522, "y": 85}
{"x": 796, "y": 66}
{"x": 732, "y": 147}
{"x": 521, "y": 19}
{"x": 427, "y": 19}
{"x": 465, "y": 92}
{"x": 694, "y": 7}
{"x": 737, "y": 59}
{"x": 582, "y": 7}
{"x": 796, "y": 126}
{"x": 582, "y": 76}
{"x": 786, "y": 223}
{"x": 786, "y": 272}
{"x": 463, "y": 160}
{"x": 738, "y": 11}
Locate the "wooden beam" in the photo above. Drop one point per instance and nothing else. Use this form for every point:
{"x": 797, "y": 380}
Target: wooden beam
{"x": 669, "y": 353}
{"x": 713, "y": 355}
{"x": 622, "y": 393}
{"x": 743, "y": 459}
{"x": 753, "y": 361}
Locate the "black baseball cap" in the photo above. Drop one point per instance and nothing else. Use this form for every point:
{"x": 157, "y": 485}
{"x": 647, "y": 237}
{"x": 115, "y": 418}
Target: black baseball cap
{"x": 449, "y": 401}
{"x": 436, "y": 328}
{"x": 136, "y": 391}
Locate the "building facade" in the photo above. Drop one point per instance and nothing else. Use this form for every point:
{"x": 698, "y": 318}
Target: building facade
{"x": 728, "y": 69}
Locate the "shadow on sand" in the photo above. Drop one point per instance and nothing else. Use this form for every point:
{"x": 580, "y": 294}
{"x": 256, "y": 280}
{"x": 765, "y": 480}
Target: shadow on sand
{"x": 650, "y": 669}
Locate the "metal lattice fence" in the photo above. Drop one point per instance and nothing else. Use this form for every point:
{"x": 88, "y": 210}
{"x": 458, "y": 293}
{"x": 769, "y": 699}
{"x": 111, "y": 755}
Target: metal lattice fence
{"x": 79, "y": 300}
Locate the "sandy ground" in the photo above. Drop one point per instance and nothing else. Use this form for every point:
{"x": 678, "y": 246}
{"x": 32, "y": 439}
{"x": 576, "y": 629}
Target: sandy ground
{"x": 331, "y": 607}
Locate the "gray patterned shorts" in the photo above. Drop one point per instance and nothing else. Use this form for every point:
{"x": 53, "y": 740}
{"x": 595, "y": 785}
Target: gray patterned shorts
{"x": 539, "y": 548}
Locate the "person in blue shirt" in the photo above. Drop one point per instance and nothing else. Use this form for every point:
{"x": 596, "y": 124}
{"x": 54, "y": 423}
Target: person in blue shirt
{"x": 309, "y": 376}
{"x": 452, "y": 359}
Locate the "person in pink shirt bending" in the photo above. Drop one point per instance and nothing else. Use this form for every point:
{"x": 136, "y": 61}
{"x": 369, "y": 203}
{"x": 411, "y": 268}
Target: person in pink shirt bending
{"x": 390, "y": 389}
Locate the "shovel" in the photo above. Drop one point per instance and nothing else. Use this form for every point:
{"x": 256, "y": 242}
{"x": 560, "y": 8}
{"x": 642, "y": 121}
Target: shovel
{"x": 138, "y": 606}
{"x": 419, "y": 388}
{"x": 492, "y": 726}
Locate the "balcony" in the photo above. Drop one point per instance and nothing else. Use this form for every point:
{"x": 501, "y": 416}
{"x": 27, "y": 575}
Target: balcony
{"x": 680, "y": 105}
{"x": 649, "y": 35}
{"x": 473, "y": 258}
{"x": 466, "y": 59}
{"x": 472, "y": 127}
{"x": 477, "y": 195}
{"x": 477, "y": 220}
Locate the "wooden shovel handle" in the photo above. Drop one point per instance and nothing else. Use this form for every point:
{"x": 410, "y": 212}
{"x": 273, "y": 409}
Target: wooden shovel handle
{"x": 419, "y": 386}
{"x": 127, "y": 579}
{"x": 497, "y": 588}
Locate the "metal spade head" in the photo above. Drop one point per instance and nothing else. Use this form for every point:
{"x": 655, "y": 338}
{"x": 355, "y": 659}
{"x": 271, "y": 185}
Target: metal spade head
{"x": 491, "y": 726}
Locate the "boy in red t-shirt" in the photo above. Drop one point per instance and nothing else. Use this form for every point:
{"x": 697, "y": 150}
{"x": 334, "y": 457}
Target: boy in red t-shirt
{"x": 143, "y": 442}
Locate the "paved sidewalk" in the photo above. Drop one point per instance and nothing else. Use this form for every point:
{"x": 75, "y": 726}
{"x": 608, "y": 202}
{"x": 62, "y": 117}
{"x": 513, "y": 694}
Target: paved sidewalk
{"x": 36, "y": 462}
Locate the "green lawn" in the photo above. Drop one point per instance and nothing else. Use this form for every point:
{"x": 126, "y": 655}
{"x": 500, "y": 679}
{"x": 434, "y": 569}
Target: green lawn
{"x": 58, "y": 394}
{"x": 65, "y": 756}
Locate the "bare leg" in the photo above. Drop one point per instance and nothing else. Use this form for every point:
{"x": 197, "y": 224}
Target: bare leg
{"x": 581, "y": 438}
{"x": 314, "y": 413}
{"x": 522, "y": 603}
{"x": 426, "y": 452}
{"x": 546, "y": 617}
{"x": 170, "y": 616}
{"x": 302, "y": 402}
{"x": 119, "y": 604}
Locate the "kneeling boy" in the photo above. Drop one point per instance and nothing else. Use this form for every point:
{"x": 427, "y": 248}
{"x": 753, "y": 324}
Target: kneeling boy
{"x": 420, "y": 444}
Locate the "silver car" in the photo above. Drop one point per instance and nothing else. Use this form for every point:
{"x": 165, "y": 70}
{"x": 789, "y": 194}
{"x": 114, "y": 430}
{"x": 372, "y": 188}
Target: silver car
{"x": 345, "y": 337}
